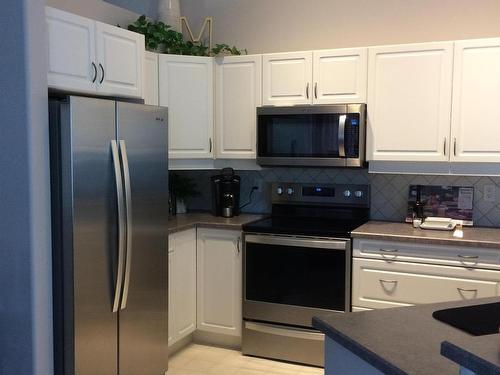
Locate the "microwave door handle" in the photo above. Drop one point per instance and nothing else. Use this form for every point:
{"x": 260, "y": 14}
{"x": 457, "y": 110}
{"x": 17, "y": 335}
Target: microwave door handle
{"x": 342, "y": 119}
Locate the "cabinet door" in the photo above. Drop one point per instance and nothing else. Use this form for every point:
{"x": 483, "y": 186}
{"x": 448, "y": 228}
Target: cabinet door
{"x": 340, "y": 75}
{"x": 186, "y": 88}
{"x": 409, "y": 102}
{"x": 238, "y": 94}
{"x": 219, "y": 281}
{"x": 287, "y": 78}
{"x": 120, "y": 54}
{"x": 72, "y": 61}
{"x": 476, "y": 113}
{"x": 380, "y": 284}
{"x": 182, "y": 285}
{"x": 150, "y": 78}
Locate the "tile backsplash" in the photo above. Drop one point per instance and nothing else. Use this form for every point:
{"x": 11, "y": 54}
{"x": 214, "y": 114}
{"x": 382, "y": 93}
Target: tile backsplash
{"x": 389, "y": 192}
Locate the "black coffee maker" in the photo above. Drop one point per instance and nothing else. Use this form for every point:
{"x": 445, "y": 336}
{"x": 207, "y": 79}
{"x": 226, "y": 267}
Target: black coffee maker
{"x": 226, "y": 193}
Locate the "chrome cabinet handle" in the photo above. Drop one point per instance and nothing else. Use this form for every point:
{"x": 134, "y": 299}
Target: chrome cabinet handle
{"x": 238, "y": 245}
{"x": 102, "y": 70}
{"x": 316, "y": 90}
{"x": 307, "y": 90}
{"x": 468, "y": 256}
{"x": 444, "y": 147}
{"x": 121, "y": 225}
{"x": 388, "y": 281}
{"x": 341, "y": 135}
{"x": 128, "y": 211}
{"x": 467, "y": 290}
{"x": 389, "y": 250}
{"x": 95, "y": 72}
{"x": 454, "y": 146}
{"x": 210, "y": 144}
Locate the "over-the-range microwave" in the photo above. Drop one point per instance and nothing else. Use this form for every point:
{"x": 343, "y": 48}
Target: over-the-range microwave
{"x": 314, "y": 135}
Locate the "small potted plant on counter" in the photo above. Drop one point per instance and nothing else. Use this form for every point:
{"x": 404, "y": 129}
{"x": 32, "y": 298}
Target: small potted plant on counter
{"x": 181, "y": 188}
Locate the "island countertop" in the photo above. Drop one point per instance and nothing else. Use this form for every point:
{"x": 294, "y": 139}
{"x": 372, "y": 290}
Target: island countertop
{"x": 182, "y": 222}
{"x": 407, "y": 340}
{"x": 390, "y": 231}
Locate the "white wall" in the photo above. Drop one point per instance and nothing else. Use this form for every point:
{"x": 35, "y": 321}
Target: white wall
{"x": 25, "y": 230}
{"x": 288, "y": 25}
{"x": 96, "y": 9}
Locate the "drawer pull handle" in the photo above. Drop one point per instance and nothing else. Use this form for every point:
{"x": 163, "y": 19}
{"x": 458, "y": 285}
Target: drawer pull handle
{"x": 467, "y": 290}
{"x": 468, "y": 256}
{"x": 388, "y": 281}
{"x": 389, "y": 250}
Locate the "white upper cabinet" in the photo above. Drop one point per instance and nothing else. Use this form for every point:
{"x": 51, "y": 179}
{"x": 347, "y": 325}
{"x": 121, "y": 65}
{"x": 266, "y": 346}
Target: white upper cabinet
{"x": 219, "y": 281}
{"x": 72, "y": 54}
{"x": 409, "y": 102}
{"x": 287, "y": 78}
{"x": 120, "y": 53}
{"x": 238, "y": 94}
{"x": 93, "y": 57}
{"x": 150, "y": 85}
{"x": 186, "y": 88}
{"x": 476, "y": 109}
{"x": 339, "y": 76}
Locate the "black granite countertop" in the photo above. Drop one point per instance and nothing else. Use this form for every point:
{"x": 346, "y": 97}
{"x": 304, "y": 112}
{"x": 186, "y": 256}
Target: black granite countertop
{"x": 182, "y": 222}
{"x": 390, "y": 231}
{"x": 407, "y": 340}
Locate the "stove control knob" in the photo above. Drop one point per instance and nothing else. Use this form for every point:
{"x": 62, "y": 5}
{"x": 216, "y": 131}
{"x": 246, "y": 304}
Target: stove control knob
{"x": 347, "y": 193}
{"x": 358, "y": 193}
{"x": 290, "y": 191}
{"x": 279, "y": 190}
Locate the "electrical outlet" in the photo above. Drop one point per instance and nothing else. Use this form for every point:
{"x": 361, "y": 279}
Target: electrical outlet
{"x": 490, "y": 193}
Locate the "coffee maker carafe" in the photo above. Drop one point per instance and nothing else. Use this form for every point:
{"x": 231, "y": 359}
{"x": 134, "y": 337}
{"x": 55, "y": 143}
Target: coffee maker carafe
{"x": 226, "y": 193}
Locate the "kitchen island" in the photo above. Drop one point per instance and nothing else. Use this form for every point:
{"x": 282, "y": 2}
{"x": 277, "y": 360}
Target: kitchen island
{"x": 405, "y": 340}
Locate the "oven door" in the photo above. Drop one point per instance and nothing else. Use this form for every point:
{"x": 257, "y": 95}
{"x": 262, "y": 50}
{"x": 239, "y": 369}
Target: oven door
{"x": 311, "y": 135}
{"x": 289, "y": 280}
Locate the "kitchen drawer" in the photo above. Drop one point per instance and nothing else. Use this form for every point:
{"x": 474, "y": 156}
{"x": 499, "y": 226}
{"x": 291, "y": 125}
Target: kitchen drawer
{"x": 378, "y": 284}
{"x": 427, "y": 253}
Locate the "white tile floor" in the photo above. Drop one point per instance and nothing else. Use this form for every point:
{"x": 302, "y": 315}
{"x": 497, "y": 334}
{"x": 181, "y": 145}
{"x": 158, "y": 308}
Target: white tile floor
{"x": 207, "y": 360}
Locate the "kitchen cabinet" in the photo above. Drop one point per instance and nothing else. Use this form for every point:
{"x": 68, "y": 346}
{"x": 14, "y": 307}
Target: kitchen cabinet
{"x": 71, "y": 51}
{"x": 92, "y": 57}
{"x": 409, "y": 102}
{"x": 186, "y": 88}
{"x": 238, "y": 94}
{"x": 287, "y": 78}
{"x": 476, "y": 113}
{"x": 182, "y": 285}
{"x": 219, "y": 281}
{"x": 340, "y": 76}
{"x": 315, "y": 77}
{"x": 151, "y": 78}
{"x": 397, "y": 273}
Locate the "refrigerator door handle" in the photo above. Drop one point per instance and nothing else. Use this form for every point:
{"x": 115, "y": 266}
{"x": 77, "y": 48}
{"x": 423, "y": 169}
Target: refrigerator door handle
{"x": 128, "y": 210}
{"x": 121, "y": 225}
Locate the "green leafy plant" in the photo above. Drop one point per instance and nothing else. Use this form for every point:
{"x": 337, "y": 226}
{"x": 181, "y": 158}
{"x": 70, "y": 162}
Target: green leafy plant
{"x": 225, "y": 49}
{"x": 183, "y": 187}
{"x": 162, "y": 38}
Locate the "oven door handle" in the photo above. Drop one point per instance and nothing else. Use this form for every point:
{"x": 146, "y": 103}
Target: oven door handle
{"x": 297, "y": 242}
{"x": 272, "y": 329}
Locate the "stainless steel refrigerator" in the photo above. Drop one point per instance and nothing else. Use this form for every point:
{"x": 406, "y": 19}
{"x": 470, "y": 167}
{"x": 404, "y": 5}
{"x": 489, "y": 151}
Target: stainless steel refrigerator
{"x": 109, "y": 173}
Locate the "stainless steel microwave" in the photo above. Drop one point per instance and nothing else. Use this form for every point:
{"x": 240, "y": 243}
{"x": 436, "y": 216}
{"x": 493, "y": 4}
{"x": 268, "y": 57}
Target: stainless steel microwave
{"x": 314, "y": 136}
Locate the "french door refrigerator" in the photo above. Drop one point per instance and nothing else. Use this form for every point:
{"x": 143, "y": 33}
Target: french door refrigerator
{"x": 110, "y": 210}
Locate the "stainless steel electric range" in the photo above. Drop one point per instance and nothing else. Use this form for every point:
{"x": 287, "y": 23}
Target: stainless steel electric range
{"x": 297, "y": 264}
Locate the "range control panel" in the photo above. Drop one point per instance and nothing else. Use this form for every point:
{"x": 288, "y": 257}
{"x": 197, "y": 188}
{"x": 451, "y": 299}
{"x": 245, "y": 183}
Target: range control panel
{"x": 332, "y": 194}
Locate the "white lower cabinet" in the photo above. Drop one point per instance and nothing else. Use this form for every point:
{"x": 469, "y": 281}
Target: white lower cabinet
{"x": 381, "y": 283}
{"x": 181, "y": 285}
{"x": 219, "y": 261}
